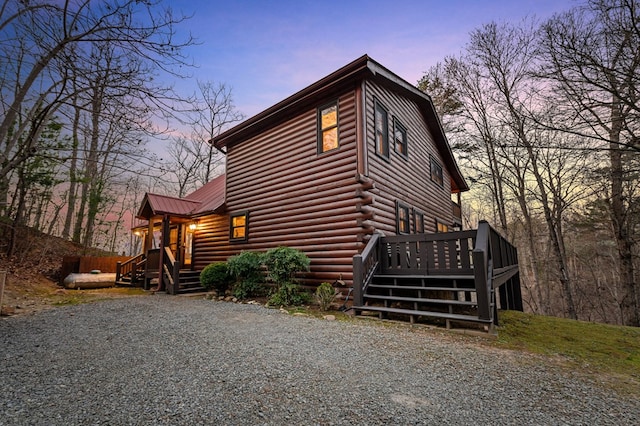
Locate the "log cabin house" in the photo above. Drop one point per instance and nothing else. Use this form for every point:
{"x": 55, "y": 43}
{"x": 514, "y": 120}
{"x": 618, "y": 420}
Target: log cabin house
{"x": 337, "y": 170}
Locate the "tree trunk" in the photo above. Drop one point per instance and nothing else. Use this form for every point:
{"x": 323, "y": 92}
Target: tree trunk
{"x": 629, "y": 303}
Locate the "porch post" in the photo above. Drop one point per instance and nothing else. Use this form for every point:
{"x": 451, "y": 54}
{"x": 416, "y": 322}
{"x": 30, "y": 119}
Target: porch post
{"x": 148, "y": 239}
{"x": 164, "y": 242}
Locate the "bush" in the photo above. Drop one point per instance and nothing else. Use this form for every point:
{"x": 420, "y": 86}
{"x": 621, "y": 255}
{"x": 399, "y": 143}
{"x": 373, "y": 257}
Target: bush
{"x": 283, "y": 262}
{"x": 288, "y": 294}
{"x": 325, "y": 295}
{"x": 216, "y": 276}
{"x": 245, "y": 267}
{"x": 248, "y": 288}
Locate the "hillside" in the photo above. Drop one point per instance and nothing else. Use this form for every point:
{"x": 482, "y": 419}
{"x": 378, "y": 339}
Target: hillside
{"x": 34, "y": 271}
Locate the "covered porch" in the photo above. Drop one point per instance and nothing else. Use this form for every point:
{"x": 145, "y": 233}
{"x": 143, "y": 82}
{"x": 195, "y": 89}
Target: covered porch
{"x": 166, "y": 260}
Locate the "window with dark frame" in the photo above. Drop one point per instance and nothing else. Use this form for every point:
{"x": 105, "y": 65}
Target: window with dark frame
{"x": 402, "y": 218}
{"x": 441, "y": 227}
{"x": 239, "y": 226}
{"x": 418, "y": 222}
{"x": 328, "y": 127}
{"x": 382, "y": 130}
{"x": 436, "y": 172}
{"x": 400, "y": 138}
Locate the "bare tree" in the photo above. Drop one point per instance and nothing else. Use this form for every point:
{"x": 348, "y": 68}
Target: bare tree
{"x": 593, "y": 57}
{"x": 195, "y": 161}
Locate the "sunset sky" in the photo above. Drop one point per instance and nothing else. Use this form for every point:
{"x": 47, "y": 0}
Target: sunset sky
{"x": 268, "y": 50}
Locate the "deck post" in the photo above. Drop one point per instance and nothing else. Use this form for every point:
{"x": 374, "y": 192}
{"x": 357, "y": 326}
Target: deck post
{"x": 480, "y": 270}
{"x": 357, "y": 280}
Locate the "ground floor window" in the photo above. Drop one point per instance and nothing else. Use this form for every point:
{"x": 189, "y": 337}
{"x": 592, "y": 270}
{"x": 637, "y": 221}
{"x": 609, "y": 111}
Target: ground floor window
{"x": 418, "y": 222}
{"x": 239, "y": 226}
{"x": 441, "y": 227}
{"x": 402, "y": 218}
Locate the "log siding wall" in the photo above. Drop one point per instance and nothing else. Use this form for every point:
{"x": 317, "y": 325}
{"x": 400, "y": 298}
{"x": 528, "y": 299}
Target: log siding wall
{"x": 327, "y": 204}
{"x": 407, "y": 180}
{"x": 295, "y": 196}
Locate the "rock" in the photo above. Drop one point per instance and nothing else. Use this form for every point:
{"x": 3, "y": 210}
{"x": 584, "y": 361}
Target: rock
{"x": 329, "y": 317}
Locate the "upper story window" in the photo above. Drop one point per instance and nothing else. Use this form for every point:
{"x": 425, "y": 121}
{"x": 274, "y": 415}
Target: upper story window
{"x": 400, "y": 138}
{"x": 402, "y": 218}
{"x": 436, "y": 172}
{"x": 328, "y": 127}
{"x": 239, "y": 226}
{"x": 382, "y": 130}
{"x": 441, "y": 227}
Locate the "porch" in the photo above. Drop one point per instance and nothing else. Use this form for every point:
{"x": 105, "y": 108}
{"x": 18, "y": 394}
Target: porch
{"x": 165, "y": 263}
{"x": 462, "y": 276}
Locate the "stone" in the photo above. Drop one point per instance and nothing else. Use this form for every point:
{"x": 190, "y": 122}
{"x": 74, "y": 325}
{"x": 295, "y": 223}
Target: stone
{"x": 329, "y": 317}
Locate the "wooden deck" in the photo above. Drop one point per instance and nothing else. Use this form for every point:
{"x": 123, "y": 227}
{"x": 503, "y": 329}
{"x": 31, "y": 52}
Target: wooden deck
{"x": 451, "y": 276}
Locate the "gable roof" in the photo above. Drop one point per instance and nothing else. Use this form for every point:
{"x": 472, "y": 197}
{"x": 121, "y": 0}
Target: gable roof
{"x": 335, "y": 83}
{"x": 207, "y": 199}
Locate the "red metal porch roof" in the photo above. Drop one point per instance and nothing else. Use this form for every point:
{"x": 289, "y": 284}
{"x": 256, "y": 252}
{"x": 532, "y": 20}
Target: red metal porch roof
{"x": 206, "y": 199}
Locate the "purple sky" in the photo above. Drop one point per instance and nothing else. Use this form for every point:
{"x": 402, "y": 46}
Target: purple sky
{"x": 268, "y": 50}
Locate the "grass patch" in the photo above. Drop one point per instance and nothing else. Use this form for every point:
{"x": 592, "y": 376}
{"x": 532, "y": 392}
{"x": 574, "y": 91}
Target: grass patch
{"x": 76, "y": 297}
{"x": 601, "y": 348}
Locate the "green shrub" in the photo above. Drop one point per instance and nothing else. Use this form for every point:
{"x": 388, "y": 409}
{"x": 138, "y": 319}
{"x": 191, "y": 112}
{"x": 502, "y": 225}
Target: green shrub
{"x": 248, "y": 288}
{"x": 283, "y": 262}
{"x": 245, "y": 268}
{"x": 216, "y": 276}
{"x": 325, "y": 295}
{"x": 288, "y": 294}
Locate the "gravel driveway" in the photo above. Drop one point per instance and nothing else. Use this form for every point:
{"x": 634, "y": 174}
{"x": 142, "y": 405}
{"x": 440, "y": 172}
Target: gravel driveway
{"x": 184, "y": 361}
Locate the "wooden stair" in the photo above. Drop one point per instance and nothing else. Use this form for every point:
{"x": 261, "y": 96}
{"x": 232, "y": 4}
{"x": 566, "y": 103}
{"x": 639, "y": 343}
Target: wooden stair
{"x": 447, "y": 297}
{"x": 190, "y": 282}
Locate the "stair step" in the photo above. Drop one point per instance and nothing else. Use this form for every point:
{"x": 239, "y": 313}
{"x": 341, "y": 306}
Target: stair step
{"x": 456, "y": 317}
{"x": 426, "y": 277}
{"x": 420, "y": 300}
{"x": 415, "y": 287}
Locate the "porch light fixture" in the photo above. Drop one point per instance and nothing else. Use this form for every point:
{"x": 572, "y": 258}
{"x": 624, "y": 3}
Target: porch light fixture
{"x": 193, "y": 226}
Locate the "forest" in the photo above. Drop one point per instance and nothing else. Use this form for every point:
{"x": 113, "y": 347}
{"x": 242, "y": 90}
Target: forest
{"x": 543, "y": 117}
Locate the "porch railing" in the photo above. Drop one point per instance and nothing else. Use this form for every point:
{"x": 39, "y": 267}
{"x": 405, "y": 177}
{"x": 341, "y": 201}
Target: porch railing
{"x": 170, "y": 271}
{"x": 129, "y": 267}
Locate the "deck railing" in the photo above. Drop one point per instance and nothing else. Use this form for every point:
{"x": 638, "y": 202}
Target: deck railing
{"x": 365, "y": 265}
{"x": 482, "y": 253}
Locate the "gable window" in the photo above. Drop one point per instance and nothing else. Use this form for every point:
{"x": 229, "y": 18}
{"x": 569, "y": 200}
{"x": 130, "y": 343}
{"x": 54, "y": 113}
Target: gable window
{"x": 436, "y": 172}
{"x": 239, "y": 226}
{"x": 441, "y": 227}
{"x": 402, "y": 218}
{"x": 328, "y": 127}
{"x": 400, "y": 138}
{"x": 382, "y": 130}
{"x": 418, "y": 222}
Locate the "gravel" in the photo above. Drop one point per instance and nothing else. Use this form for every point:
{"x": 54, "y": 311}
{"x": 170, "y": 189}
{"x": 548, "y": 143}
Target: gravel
{"x": 186, "y": 361}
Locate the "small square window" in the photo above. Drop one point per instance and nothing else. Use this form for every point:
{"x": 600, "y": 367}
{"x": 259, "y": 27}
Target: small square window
{"x": 436, "y": 172}
{"x": 441, "y": 227}
{"x": 400, "y": 138}
{"x": 239, "y": 226}
{"x": 328, "y": 127}
{"x": 402, "y": 218}
{"x": 381, "y": 130}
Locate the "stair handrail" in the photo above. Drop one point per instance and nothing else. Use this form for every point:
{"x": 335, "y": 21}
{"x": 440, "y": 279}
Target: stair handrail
{"x": 128, "y": 266}
{"x": 171, "y": 269}
{"x": 365, "y": 266}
